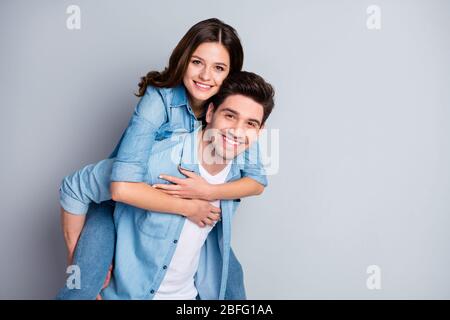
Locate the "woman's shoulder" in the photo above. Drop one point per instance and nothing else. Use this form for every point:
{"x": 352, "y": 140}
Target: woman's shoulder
{"x": 169, "y": 95}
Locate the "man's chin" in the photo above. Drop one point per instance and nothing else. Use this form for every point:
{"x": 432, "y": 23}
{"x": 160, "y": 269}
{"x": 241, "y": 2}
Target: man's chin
{"x": 226, "y": 155}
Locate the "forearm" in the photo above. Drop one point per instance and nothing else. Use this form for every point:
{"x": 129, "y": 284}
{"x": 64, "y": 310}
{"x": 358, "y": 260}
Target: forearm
{"x": 144, "y": 196}
{"x": 72, "y": 225}
{"x": 244, "y": 187}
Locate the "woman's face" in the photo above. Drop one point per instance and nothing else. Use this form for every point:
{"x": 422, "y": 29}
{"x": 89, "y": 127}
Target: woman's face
{"x": 208, "y": 66}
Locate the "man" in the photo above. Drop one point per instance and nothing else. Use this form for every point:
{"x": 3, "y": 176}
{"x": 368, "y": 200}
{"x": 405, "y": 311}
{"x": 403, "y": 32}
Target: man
{"x": 166, "y": 256}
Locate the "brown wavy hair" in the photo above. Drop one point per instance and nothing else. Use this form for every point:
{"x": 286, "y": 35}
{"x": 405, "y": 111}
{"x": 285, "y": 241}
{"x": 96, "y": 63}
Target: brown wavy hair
{"x": 210, "y": 30}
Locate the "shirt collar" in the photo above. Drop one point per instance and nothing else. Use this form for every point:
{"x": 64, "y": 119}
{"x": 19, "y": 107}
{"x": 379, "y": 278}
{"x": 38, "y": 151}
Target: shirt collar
{"x": 179, "y": 97}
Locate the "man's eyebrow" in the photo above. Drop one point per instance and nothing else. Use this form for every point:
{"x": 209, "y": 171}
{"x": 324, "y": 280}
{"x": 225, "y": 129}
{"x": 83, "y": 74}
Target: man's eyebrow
{"x": 218, "y": 63}
{"x": 237, "y": 113}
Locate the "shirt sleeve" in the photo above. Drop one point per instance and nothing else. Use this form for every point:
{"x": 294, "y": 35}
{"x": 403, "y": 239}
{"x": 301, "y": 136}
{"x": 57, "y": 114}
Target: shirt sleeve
{"x": 253, "y": 166}
{"x": 90, "y": 184}
{"x": 150, "y": 114}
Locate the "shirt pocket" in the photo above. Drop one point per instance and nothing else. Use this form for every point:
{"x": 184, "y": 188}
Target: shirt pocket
{"x": 154, "y": 224}
{"x": 168, "y": 129}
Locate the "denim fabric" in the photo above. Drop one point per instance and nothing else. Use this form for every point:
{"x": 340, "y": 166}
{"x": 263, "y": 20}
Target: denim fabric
{"x": 160, "y": 113}
{"x": 94, "y": 252}
{"x": 145, "y": 240}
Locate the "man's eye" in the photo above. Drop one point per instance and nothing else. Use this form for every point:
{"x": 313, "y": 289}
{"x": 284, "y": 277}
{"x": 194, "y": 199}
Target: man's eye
{"x": 253, "y": 124}
{"x": 229, "y": 116}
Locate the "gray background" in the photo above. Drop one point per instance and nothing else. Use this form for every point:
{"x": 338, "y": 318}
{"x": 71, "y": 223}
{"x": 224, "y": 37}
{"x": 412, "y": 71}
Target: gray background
{"x": 364, "y": 126}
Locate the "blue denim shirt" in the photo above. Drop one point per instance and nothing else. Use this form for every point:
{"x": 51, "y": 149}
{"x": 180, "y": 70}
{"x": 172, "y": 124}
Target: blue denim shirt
{"x": 146, "y": 240}
{"x": 160, "y": 113}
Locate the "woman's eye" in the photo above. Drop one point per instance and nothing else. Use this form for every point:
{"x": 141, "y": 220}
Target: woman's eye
{"x": 219, "y": 68}
{"x": 196, "y": 61}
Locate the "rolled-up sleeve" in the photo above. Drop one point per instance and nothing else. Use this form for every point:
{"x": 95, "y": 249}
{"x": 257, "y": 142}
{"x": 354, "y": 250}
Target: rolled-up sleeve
{"x": 253, "y": 166}
{"x": 90, "y": 184}
{"x": 150, "y": 114}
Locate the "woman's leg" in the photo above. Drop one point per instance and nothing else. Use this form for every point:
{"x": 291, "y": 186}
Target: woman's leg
{"x": 94, "y": 252}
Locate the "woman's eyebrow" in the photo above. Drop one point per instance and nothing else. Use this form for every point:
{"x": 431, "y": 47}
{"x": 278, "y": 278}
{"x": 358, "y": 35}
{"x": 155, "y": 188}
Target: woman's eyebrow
{"x": 218, "y": 63}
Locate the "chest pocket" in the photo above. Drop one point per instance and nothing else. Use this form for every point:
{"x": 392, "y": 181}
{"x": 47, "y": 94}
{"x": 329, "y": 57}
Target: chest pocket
{"x": 154, "y": 224}
{"x": 167, "y": 130}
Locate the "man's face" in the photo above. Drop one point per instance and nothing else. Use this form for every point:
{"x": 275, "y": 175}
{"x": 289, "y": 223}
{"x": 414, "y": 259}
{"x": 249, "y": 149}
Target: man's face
{"x": 233, "y": 126}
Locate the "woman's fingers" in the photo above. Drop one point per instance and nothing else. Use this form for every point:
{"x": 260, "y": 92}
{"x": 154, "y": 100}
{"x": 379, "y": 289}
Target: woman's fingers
{"x": 214, "y": 209}
{"x": 187, "y": 173}
{"x": 208, "y": 221}
{"x": 171, "y": 179}
{"x": 169, "y": 187}
{"x": 214, "y": 216}
{"x": 172, "y": 193}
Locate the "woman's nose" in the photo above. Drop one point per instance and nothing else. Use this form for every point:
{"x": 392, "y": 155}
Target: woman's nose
{"x": 204, "y": 74}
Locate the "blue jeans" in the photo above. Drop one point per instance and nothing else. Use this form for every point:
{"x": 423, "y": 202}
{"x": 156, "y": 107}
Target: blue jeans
{"x": 95, "y": 251}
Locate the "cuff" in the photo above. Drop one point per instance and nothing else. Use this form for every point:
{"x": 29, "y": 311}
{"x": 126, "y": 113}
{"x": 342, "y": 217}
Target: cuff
{"x": 72, "y": 205}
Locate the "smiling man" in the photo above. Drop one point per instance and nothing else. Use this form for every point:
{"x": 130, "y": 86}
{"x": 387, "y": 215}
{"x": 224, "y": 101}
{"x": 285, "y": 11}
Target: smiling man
{"x": 164, "y": 256}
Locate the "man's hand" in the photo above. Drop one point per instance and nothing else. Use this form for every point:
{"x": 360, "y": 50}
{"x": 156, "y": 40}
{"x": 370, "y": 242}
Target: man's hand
{"x": 192, "y": 187}
{"x": 201, "y": 212}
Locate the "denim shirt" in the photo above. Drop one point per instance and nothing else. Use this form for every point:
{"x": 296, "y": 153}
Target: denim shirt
{"x": 160, "y": 113}
{"x": 146, "y": 240}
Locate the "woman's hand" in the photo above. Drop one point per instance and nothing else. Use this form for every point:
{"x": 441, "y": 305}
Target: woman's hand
{"x": 201, "y": 212}
{"x": 192, "y": 187}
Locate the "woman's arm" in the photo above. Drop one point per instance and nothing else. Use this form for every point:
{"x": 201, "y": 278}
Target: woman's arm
{"x": 195, "y": 187}
{"x": 244, "y": 187}
{"x": 92, "y": 184}
{"x": 72, "y": 225}
{"x": 144, "y": 196}
{"x": 130, "y": 163}
{"x": 252, "y": 183}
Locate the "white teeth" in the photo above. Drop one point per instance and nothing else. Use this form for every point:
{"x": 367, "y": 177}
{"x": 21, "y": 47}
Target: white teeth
{"x": 204, "y": 86}
{"x": 234, "y": 143}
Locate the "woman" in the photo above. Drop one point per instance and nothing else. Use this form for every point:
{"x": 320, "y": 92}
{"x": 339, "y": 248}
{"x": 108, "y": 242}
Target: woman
{"x": 171, "y": 101}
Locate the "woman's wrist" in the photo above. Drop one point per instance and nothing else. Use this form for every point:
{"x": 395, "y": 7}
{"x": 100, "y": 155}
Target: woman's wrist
{"x": 183, "y": 206}
{"x": 211, "y": 192}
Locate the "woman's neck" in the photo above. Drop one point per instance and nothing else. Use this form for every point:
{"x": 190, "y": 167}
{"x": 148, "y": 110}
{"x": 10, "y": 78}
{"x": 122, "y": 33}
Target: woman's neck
{"x": 196, "y": 106}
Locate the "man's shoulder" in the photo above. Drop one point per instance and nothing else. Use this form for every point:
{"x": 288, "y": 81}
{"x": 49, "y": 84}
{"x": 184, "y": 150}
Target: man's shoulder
{"x": 176, "y": 140}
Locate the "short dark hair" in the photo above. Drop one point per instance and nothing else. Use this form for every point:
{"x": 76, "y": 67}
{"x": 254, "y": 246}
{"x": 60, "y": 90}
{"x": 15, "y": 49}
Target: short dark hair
{"x": 249, "y": 85}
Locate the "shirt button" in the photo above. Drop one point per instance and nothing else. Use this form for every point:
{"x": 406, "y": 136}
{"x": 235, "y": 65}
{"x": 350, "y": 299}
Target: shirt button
{"x": 165, "y": 267}
{"x": 152, "y": 291}
{"x": 175, "y": 241}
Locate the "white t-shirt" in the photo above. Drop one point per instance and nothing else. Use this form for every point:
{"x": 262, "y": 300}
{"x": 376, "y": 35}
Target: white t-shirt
{"x": 178, "y": 282}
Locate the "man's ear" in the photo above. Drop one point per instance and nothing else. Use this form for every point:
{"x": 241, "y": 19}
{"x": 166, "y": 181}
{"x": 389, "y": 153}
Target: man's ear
{"x": 209, "y": 113}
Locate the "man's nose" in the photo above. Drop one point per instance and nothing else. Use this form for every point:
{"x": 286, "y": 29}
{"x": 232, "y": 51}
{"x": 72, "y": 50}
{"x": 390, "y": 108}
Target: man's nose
{"x": 238, "y": 132}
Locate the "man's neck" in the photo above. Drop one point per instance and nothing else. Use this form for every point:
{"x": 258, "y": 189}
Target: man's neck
{"x": 212, "y": 162}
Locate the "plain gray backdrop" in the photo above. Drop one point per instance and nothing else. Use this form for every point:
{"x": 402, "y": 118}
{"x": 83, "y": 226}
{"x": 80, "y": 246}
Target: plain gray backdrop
{"x": 364, "y": 136}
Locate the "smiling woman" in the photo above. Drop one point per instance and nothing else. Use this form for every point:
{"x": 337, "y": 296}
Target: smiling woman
{"x": 208, "y": 67}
